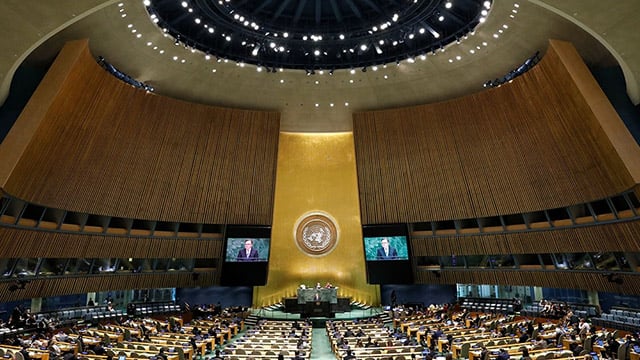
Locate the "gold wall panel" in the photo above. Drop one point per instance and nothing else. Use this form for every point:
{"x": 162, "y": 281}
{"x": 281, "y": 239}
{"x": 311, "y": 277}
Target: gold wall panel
{"x": 316, "y": 173}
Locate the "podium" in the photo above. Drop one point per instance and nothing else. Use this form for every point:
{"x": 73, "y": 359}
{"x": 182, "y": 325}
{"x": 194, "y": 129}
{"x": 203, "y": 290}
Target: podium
{"x": 317, "y": 309}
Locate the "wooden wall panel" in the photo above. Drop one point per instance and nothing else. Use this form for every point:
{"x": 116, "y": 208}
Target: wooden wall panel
{"x": 23, "y": 243}
{"x": 608, "y": 237}
{"x": 585, "y": 280}
{"x": 530, "y": 145}
{"x": 84, "y": 284}
{"x": 107, "y": 148}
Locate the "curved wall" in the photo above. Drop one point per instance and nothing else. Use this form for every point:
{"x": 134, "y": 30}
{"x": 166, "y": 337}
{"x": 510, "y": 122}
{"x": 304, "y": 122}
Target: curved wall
{"x": 586, "y": 280}
{"x": 546, "y": 140}
{"x": 39, "y": 288}
{"x": 88, "y": 142}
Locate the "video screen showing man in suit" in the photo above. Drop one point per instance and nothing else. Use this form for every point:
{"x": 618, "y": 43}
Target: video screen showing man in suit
{"x": 386, "y": 248}
{"x": 386, "y": 251}
{"x": 247, "y": 249}
{"x": 248, "y": 253}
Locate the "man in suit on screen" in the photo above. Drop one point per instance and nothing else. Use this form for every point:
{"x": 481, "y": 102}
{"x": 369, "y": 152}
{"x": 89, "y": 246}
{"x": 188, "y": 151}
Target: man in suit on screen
{"x": 385, "y": 251}
{"x": 248, "y": 253}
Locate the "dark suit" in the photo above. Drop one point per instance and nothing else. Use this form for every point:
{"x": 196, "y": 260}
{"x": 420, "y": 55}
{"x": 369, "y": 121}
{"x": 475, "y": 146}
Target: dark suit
{"x": 25, "y": 354}
{"x": 242, "y": 255}
{"x": 393, "y": 254}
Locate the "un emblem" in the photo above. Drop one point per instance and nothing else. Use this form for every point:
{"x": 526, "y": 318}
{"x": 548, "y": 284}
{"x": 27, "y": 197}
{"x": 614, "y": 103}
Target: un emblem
{"x": 316, "y": 234}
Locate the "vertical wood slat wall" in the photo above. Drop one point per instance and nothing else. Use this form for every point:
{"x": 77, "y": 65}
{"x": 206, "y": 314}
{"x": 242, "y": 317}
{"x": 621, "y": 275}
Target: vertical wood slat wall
{"x": 77, "y": 285}
{"x": 23, "y": 243}
{"x": 530, "y": 145}
{"x": 612, "y": 237}
{"x": 109, "y": 149}
{"x": 585, "y": 280}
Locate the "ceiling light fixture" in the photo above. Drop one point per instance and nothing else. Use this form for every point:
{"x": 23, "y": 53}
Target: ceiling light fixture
{"x": 276, "y": 32}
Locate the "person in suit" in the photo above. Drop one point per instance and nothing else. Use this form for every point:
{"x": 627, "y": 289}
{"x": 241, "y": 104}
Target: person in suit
{"x": 385, "y": 251}
{"x": 25, "y": 352}
{"x": 349, "y": 355}
{"x": 161, "y": 355}
{"x": 248, "y": 253}
{"x": 218, "y": 356}
{"x": 503, "y": 355}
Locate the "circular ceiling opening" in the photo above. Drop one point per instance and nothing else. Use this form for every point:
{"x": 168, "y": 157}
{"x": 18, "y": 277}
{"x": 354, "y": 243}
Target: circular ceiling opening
{"x": 317, "y": 34}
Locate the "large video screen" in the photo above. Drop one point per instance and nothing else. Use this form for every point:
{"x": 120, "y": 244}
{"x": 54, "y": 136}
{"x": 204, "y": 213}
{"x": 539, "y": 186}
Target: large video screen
{"x": 387, "y": 254}
{"x": 246, "y": 257}
{"x": 247, "y": 249}
{"x": 386, "y": 248}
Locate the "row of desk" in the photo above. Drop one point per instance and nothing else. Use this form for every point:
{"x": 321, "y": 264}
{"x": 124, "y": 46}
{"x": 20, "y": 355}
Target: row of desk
{"x": 265, "y": 341}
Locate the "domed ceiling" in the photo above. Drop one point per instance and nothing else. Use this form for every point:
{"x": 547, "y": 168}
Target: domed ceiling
{"x": 317, "y": 34}
{"x": 125, "y": 33}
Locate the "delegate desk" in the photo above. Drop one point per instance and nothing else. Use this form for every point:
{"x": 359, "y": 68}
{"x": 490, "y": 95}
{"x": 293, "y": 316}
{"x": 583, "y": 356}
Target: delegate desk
{"x": 34, "y": 353}
{"x": 111, "y": 335}
{"x": 329, "y": 295}
{"x": 515, "y": 351}
{"x": 147, "y": 350}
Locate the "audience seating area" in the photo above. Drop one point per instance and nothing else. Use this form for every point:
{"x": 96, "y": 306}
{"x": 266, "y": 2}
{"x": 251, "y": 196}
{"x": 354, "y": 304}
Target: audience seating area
{"x": 370, "y": 339}
{"x": 105, "y": 312}
{"x": 464, "y": 337}
{"x": 452, "y": 333}
{"x": 86, "y": 313}
{"x": 506, "y": 306}
{"x": 113, "y": 334}
{"x": 270, "y": 338}
{"x": 619, "y": 318}
{"x": 144, "y": 309}
{"x": 579, "y": 310}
